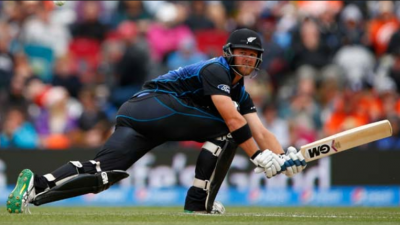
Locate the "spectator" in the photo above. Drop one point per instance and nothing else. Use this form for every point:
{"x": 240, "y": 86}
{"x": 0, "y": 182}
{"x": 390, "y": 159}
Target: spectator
{"x": 352, "y": 26}
{"x": 43, "y": 40}
{"x": 6, "y": 57}
{"x": 388, "y": 69}
{"x": 186, "y": 54}
{"x": 308, "y": 49}
{"x": 330, "y": 90}
{"x": 93, "y": 122}
{"x": 389, "y": 98}
{"x": 42, "y": 31}
{"x": 55, "y": 121}
{"x": 130, "y": 10}
{"x": 346, "y": 114}
{"x": 357, "y": 63}
{"x": 275, "y": 124}
{"x": 274, "y": 61}
{"x": 197, "y": 19}
{"x": 248, "y": 12}
{"x": 15, "y": 13}
{"x": 89, "y": 26}
{"x": 393, "y": 142}
{"x": 65, "y": 76}
{"x": 217, "y": 14}
{"x": 36, "y": 91}
{"x": 132, "y": 68}
{"x": 394, "y": 70}
{"x": 15, "y": 91}
{"x": 382, "y": 27}
{"x": 17, "y": 131}
{"x": 329, "y": 29}
{"x": 303, "y": 110}
{"x": 165, "y": 35}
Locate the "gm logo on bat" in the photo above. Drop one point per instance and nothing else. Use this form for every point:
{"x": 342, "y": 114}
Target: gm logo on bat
{"x": 322, "y": 149}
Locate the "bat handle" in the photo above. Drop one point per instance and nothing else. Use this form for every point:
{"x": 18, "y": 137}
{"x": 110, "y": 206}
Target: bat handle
{"x": 301, "y": 162}
{"x": 283, "y": 168}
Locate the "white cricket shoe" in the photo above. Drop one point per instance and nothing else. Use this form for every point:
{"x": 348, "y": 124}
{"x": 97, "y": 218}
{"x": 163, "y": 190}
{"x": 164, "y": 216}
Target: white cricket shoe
{"x": 218, "y": 208}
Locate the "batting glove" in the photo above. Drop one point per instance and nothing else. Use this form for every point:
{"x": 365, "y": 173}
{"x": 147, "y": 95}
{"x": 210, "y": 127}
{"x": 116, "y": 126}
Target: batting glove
{"x": 267, "y": 162}
{"x": 294, "y": 161}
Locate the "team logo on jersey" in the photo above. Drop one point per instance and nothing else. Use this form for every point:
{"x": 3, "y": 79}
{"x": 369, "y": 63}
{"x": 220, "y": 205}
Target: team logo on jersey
{"x": 250, "y": 39}
{"x": 224, "y": 87}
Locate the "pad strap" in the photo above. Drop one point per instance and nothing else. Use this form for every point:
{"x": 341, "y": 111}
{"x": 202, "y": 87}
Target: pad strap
{"x": 50, "y": 180}
{"x": 213, "y": 148}
{"x": 49, "y": 177}
{"x": 78, "y": 165}
{"x": 203, "y": 184}
{"x": 97, "y": 164}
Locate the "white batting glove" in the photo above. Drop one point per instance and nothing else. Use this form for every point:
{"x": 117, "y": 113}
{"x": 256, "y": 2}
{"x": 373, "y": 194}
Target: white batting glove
{"x": 295, "y": 162}
{"x": 267, "y": 162}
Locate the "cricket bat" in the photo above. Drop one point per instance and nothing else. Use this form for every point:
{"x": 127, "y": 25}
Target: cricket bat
{"x": 346, "y": 140}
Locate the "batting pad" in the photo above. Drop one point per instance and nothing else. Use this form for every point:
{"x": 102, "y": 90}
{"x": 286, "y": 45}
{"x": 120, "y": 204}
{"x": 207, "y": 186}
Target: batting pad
{"x": 79, "y": 185}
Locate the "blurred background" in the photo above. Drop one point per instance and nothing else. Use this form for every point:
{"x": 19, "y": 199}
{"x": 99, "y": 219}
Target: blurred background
{"x": 328, "y": 66}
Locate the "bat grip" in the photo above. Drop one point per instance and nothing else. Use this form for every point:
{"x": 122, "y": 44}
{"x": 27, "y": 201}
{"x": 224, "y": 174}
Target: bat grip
{"x": 283, "y": 168}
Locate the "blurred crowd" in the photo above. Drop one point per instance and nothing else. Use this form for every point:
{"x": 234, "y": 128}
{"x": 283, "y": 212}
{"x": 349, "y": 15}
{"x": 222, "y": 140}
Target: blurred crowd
{"x": 328, "y": 66}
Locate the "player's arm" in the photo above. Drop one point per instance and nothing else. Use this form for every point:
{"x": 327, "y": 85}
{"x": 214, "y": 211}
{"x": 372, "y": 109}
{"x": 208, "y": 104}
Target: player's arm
{"x": 264, "y": 138}
{"x": 216, "y": 84}
{"x": 266, "y": 161}
{"x": 234, "y": 120}
{"x": 294, "y": 162}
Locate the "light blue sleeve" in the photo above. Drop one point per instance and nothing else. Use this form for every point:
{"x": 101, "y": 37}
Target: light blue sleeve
{"x": 26, "y": 137}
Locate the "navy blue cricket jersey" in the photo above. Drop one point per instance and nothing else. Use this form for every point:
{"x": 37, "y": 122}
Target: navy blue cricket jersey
{"x": 201, "y": 80}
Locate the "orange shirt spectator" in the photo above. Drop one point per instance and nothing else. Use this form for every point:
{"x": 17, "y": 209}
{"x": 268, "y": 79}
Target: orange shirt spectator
{"x": 382, "y": 27}
{"x": 350, "y": 111}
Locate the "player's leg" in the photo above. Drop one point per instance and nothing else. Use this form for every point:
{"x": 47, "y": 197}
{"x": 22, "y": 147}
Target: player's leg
{"x": 205, "y": 164}
{"x": 212, "y": 166}
{"x": 193, "y": 122}
{"x": 122, "y": 149}
{"x": 162, "y": 120}
{"x": 181, "y": 119}
{"x": 166, "y": 116}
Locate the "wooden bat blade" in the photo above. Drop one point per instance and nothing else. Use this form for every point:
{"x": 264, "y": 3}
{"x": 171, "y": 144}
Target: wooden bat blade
{"x": 346, "y": 140}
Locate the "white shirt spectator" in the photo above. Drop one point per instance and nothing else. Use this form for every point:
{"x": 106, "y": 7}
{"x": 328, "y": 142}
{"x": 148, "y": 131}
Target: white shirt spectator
{"x": 41, "y": 30}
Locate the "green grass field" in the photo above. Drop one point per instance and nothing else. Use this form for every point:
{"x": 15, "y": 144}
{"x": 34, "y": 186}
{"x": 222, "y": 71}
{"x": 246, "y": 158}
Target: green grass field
{"x": 174, "y": 215}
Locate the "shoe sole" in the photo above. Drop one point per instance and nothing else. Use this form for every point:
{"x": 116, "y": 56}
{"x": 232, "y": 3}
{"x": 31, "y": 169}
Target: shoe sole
{"x": 194, "y": 212}
{"x": 24, "y": 183}
{"x": 218, "y": 208}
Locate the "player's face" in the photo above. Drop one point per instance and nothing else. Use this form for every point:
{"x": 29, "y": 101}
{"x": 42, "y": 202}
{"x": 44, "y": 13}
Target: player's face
{"x": 246, "y": 60}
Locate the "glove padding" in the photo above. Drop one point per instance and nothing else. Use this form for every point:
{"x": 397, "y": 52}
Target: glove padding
{"x": 268, "y": 162}
{"x": 294, "y": 161}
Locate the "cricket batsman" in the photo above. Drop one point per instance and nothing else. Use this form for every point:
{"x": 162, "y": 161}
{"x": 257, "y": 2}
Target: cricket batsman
{"x": 195, "y": 102}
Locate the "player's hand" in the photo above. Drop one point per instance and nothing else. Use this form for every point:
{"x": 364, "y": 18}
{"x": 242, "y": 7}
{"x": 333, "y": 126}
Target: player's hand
{"x": 294, "y": 162}
{"x": 267, "y": 162}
